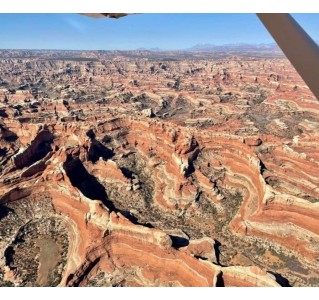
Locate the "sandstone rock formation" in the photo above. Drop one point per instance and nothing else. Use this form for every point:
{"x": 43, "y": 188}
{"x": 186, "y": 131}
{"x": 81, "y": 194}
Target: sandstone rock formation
{"x": 121, "y": 171}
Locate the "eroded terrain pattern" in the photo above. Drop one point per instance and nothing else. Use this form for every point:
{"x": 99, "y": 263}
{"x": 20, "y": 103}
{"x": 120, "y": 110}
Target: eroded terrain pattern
{"x": 122, "y": 171}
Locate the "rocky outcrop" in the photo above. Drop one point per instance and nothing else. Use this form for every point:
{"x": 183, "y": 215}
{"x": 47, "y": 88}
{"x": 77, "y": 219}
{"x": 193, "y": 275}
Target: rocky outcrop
{"x": 38, "y": 149}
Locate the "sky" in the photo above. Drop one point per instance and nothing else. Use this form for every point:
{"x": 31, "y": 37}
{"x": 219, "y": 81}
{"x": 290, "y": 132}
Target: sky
{"x": 165, "y": 31}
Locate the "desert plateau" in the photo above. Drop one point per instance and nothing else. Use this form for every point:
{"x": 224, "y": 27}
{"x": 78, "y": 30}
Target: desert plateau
{"x": 157, "y": 168}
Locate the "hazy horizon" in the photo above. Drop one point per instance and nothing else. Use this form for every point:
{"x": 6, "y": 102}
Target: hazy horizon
{"x": 203, "y": 45}
{"x": 168, "y": 32}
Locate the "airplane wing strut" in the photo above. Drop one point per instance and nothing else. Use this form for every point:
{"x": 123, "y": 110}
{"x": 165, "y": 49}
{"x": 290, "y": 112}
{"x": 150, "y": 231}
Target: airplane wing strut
{"x": 297, "y": 45}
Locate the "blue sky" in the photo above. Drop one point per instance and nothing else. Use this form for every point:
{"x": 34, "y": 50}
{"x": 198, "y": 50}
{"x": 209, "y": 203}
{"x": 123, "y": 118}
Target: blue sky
{"x": 166, "y": 31}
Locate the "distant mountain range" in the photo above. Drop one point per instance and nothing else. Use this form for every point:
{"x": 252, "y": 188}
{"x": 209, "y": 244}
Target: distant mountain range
{"x": 217, "y": 48}
{"x": 234, "y": 47}
{"x": 156, "y": 49}
{"x": 237, "y": 47}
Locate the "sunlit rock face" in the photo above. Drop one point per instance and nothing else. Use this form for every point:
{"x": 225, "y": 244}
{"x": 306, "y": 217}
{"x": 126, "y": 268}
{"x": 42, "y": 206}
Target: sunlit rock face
{"x": 122, "y": 171}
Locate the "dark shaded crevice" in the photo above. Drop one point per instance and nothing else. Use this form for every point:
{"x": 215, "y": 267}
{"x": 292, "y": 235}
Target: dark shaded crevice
{"x": 98, "y": 150}
{"x": 4, "y": 211}
{"x": 85, "y": 182}
{"x": 191, "y": 169}
{"x": 127, "y": 173}
{"x": 217, "y": 251}
{"x": 91, "y": 188}
{"x": 3, "y": 151}
{"x": 8, "y": 255}
{"x": 77, "y": 281}
{"x": 200, "y": 257}
{"x": 12, "y": 138}
{"x": 38, "y": 149}
{"x": 42, "y": 150}
{"x": 133, "y": 219}
{"x": 36, "y": 169}
{"x": 178, "y": 241}
{"x": 7, "y": 134}
{"x": 15, "y": 194}
{"x": 284, "y": 282}
{"x": 220, "y": 280}
{"x": 70, "y": 277}
{"x": 198, "y": 195}
{"x": 3, "y": 113}
{"x": 262, "y": 167}
{"x": 91, "y": 134}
